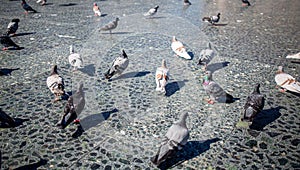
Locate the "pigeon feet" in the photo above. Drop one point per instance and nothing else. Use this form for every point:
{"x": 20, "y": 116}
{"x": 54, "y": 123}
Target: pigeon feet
{"x": 282, "y": 90}
{"x": 5, "y": 48}
{"x": 76, "y": 121}
{"x": 209, "y": 101}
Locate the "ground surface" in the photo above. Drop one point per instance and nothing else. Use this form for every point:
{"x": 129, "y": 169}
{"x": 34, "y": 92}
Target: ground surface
{"x": 125, "y": 119}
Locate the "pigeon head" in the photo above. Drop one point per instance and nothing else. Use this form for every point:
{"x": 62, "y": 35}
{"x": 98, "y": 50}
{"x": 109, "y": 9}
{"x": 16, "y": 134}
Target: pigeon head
{"x": 54, "y": 70}
{"x": 95, "y": 4}
{"x": 15, "y": 20}
{"x": 117, "y": 19}
{"x": 182, "y": 119}
{"x": 71, "y": 49}
{"x": 208, "y": 75}
{"x": 256, "y": 90}
{"x": 80, "y": 87}
{"x": 280, "y": 69}
{"x": 23, "y": 2}
{"x": 124, "y": 54}
{"x": 163, "y": 63}
{"x": 156, "y": 7}
{"x": 219, "y": 14}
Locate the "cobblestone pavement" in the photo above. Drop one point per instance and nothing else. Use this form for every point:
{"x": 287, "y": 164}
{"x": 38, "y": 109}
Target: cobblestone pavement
{"x": 125, "y": 119}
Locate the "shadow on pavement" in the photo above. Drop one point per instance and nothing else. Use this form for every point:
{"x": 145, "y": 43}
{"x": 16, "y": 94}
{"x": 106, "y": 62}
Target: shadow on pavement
{"x": 33, "y": 166}
{"x": 172, "y": 87}
{"x": 7, "y": 71}
{"x": 131, "y": 75}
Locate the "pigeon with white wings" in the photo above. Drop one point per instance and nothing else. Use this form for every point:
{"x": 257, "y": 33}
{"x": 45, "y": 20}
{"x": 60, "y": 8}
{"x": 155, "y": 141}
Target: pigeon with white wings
{"x": 162, "y": 77}
{"x": 56, "y": 84}
{"x": 206, "y": 56}
{"x": 151, "y": 11}
{"x": 179, "y": 49}
{"x": 286, "y": 81}
{"x": 119, "y": 65}
{"x": 96, "y": 10}
{"x": 75, "y": 59}
{"x": 212, "y": 19}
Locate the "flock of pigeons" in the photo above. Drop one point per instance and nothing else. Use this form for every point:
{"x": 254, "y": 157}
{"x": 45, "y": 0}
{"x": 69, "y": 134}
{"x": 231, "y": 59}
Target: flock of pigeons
{"x": 178, "y": 134}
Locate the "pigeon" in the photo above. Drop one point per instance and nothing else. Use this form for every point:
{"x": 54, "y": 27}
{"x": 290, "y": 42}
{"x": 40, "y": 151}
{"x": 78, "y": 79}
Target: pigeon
{"x": 186, "y": 3}
{"x": 175, "y": 139}
{"x": 13, "y": 26}
{"x": 179, "y": 49}
{"x": 75, "y": 59}
{"x": 41, "y": 2}
{"x": 151, "y": 11}
{"x": 56, "y": 84}
{"x": 96, "y": 10}
{"x": 27, "y": 8}
{"x": 110, "y": 26}
{"x": 254, "y": 104}
{"x": 212, "y": 19}
{"x": 215, "y": 92}
{"x": 294, "y": 56}
{"x": 162, "y": 77}
{"x": 7, "y": 42}
{"x": 118, "y": 66}
{"x": 246, "y": 3}
{"x": 73, "y": 107}
{"x": 286, "y": 81}
{"x": 206, "y": 56}
{"x": 6, "y": 120}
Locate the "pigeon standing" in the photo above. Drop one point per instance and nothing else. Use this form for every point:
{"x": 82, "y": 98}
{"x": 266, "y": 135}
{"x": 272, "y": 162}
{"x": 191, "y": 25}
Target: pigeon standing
{"x": 6, "y": 120}
{"x": 41, "y": 2}
{"x": 246, "y": 3}
{"x": 96, "y": 10}
{"x": 294, "y": 56}
{"x": 212, "y": 19}
{"x": 27, "y": 8}
{"x": 286, "y": 81}
{"x": 206, "y": 56}
{"x": 215, "y": 92}
{"x": 118, "y": 66}
{"x": 162, "y": 77}
{"x": 179, "y": 49}
{"x": 254, "y": 105}
{"x": 56, "y": 84}
{"x": 13, "y": 26}
{"x": 152, "y": 11}
{"x": 186, "y": 2}
{"x": 110, "y": 26}
{"x": 7, "y": 42}
{"x": 75, "y": 59}
{"x": 73, "y": 108}
{"x": 175, "y": 139}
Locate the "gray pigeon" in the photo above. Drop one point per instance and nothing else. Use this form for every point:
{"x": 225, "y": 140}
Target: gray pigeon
{"x": 254, "y": 105}
{"x": 215, "y": 92}
{"x": 110, "y": 26}
{"x": 7, "y": 42}
{"x": 118, "y": 66}
{"x": 13, "y": 26}
{"x": 26, "y": 7}
{"x": 206, "y": 56}
{"x": 152, "y": 11}
{"x": 212, "y": 19}
{"x": 73, "y": 108}
{"x": 176, "y": 137}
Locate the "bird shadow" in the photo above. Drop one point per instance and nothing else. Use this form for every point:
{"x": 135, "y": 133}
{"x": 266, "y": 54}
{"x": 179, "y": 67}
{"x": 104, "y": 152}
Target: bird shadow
{"x": 216, "y": 66}
{"x": 191, "y": 54}
{"x": 155, "y": 17}
{"x": 33, "y": 166}
{"x": 17, "y": 122}
{"x": 296, "y": 62}
{"x": 131, "y": 75}
{"x": 7, "y": 71}
{"x": 14, "y": 48}
{"x": 128, "y": 32}
{"x": 48, "y": 4}
{"x": 219, "y": 24}
{"x": 92, "y": 121}
{"x": 265, "y": 117}
{"x": 191, "y": 149}
{"x": 22, "y": 34}
{"x": 89, "y": 69}
{"x": 103, "y": 15}
{"x": 67, "y": 4}
{"x": 172, "y": 87}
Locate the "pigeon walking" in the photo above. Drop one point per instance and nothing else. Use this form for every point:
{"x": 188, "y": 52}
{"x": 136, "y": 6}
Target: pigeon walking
{"x": 162, "y": 77}
{"x": 56, "y": 84}
{"x": 7, "y": 42}
{"x": 75, "y": 59}
{"x": 41, "y": 2}
{"x": 175, "y": 139}
{"x": 73, "y": 107}
{"x": 212, "y": 19}
{"x": 215, "y": 92}
{"x": 286, "y": 81}
{"x": 152, "y": 11}
{"x": 254, "y": 104}
{"x": 206, "y": 56}
{"x": 119, "y": 65}
{"x": 27, "y": 8}
{"x": 13, "y": 26}
{"x": 186, "y": 3}
{"x": 246, "y": 3}
{"x": 96, "y": 10}
{"x": 110, "y": 26}
{"x": 179, "y": 49}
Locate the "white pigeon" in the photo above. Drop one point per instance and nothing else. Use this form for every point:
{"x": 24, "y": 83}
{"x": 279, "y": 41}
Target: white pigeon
{"x": 206, "y": 56}
{"x": 179, "y": 49}
{"x": 286, "y": 81}
{"x": 42, "y": 2}
{"x": 152, "y": 11}
{"x": 75, "y": 59}
{"x": 96, "y": 10}
{"x": 56, "y": 84}
{"x": 174, "y": 140}
{"x": 119, "y": 65}
{"x": 162, "y": 77}
{"x": 294, "y": 56}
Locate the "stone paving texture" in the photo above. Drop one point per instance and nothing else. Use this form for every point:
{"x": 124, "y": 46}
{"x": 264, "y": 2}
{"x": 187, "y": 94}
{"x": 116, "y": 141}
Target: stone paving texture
{"x": 125, "y": 119}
